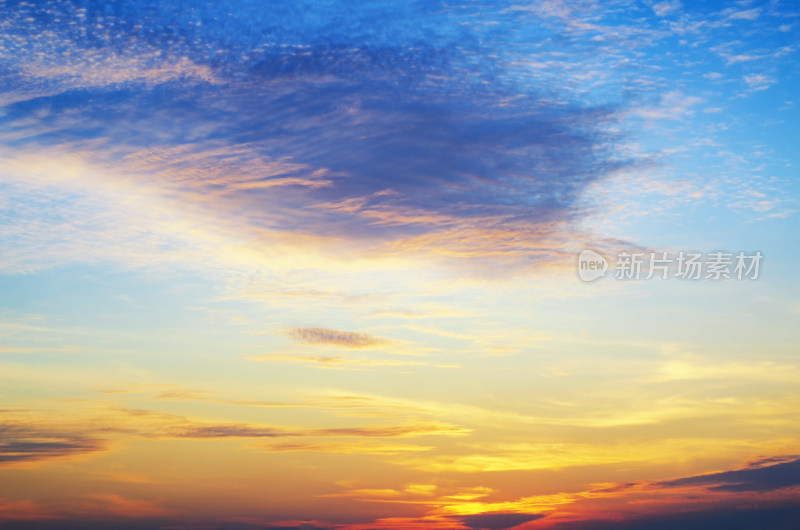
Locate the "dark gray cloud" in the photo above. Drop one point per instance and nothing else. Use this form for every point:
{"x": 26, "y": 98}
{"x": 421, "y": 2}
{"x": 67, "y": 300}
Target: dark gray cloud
{"x": 70, "y": 523}
{"x": 772, "y": 518}
{"x": 497, "y": 521}
{"x": 784, "y": 474}
{"x": 21, "y": 442}
{"x": 778, "y": 459}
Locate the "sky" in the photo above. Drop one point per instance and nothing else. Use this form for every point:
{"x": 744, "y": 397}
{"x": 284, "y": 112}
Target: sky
{"x": 318, "y": 264}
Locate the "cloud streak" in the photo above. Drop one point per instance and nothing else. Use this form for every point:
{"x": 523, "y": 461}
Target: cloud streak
{"x": 332, "y": 337}
{"x": 497, "y": 521}
{"x": 23, "y": 443}
{"x": 762, "y": 479}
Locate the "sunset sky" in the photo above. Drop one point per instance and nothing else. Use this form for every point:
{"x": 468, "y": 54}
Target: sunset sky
{"x": 314, "y": 264}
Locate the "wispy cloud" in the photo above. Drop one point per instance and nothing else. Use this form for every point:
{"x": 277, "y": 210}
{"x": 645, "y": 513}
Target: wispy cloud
{"x": 745, "y": 14}
{"x": 398, "y": 129}
{"x": 23, "y": 443}
{"x": 762, "y": 478}
{"x": 672, "y": 105}
{"x": 758, "y": 82}
{"x": 224, "y": 431}
{"x": 338, "y": 362}
{"x": 349, "y": 447}
{"x": 667, "y": 7}
{"x": 117, "y": 505}
{"x": 348, "y": 339}
{"x": 39, "y": 443}
{"x": 24, "y": 510}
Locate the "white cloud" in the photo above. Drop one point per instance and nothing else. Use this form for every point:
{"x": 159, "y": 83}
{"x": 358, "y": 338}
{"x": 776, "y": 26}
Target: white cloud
{"x": 748, "y": 14}
{"x": 673, "y": 105}
{"x": 757, "y": 82}
{"x": 118, "y": 69}
{"x": 666, "y": 7}
{"x": 740, "y": 58}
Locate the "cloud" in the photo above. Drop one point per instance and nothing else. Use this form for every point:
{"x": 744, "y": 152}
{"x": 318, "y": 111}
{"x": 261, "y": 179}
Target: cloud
{"x": 776, "y": 459}
{"x": 417, "y": 143}
{"x": 349, "y": 447}
{"x": 672, "y": 105}
{"x": 348, "y": 339}
{"x": 117, "y": 505}
{"x": 688, "y": 367}
{"x": 761, "y": 479}
{"x": 101, "y": 70}
{"x": 77, "y": 522}
{"x": 397, "y": 431}
{"x": 337, "y": 362}
{"x": 729, "y": 518}
{"x": 758, "y": 82}
{"x": 739, "y": 58}
{"x": 23, "y": 510}
{"x": 22, "y": 443}
{"x": 232, "y": 430}
{"x": 314, "y": 149}
{"x": 665, "y": 8}
{"x": 745, "y": 14}
{"x": 497, "y": 521}
{"x": 151, "y": 424}
{"x": 49, "y": 439}
{"x": 225, "y": 431}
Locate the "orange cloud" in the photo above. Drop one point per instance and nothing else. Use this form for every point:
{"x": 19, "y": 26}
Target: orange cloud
{"x": 110, "y": 503}
{"x": 25, "y": 510}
